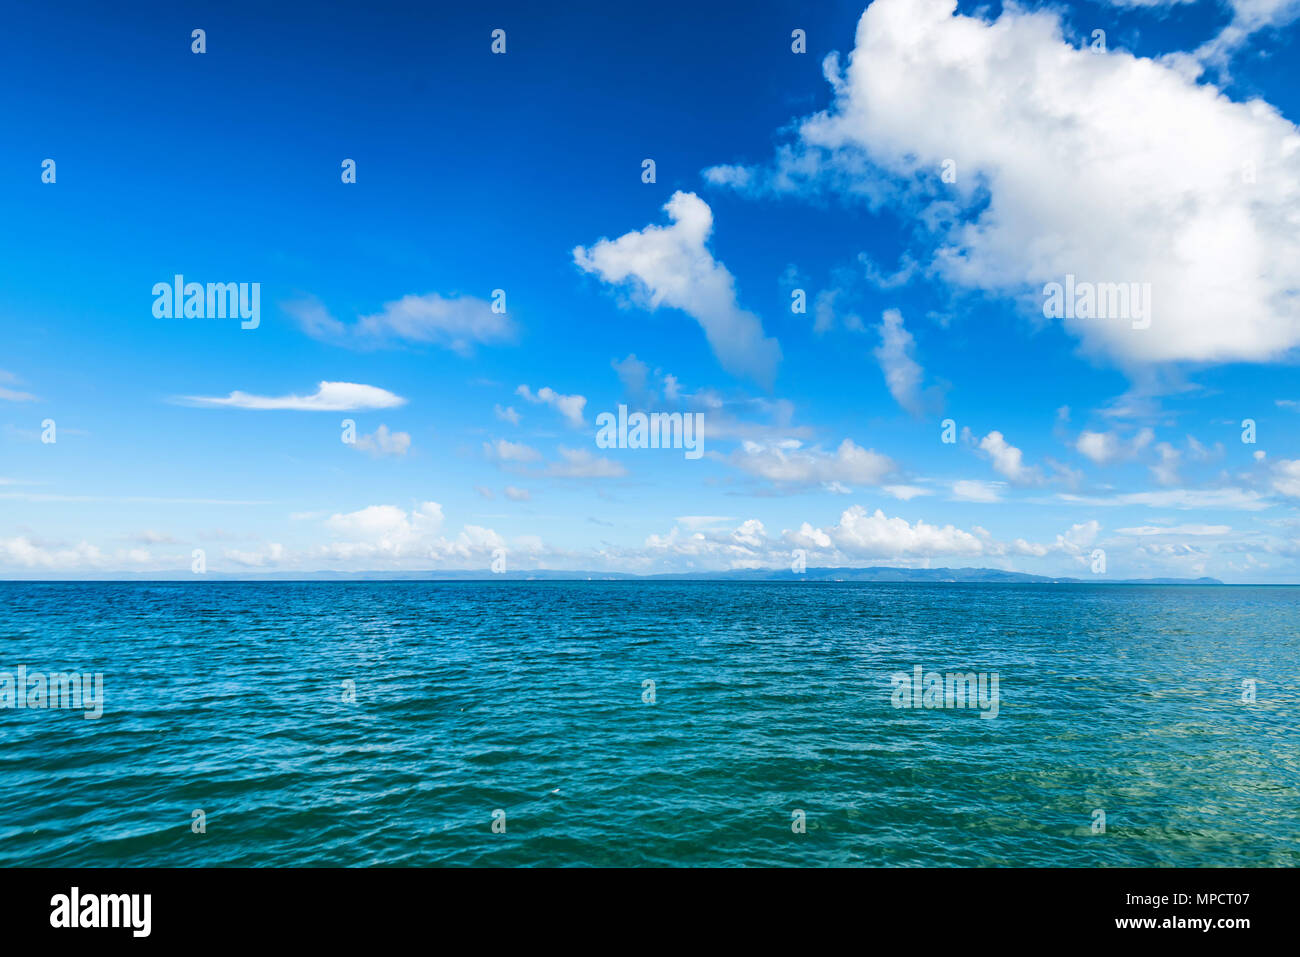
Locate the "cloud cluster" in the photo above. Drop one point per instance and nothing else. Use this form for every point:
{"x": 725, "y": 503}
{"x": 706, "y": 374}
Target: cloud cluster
{"x": 790, "y": 463}
{"x": 1103, "y": 165}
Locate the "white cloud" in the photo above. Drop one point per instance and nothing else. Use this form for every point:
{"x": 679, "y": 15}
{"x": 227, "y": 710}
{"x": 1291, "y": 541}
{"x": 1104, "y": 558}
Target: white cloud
{"x": 737, "y": 176}
{"x": 383, "y": 442}
{"x": 746, "y": 546}
{"x": 1286, "y": 477}
{"x": 1101, "y": 447}
{"x": 506, "y": 414}
{"x": 1107, "y": 166}
{"x": 389, "y": 536}
{"x": 862, "y": 534}
{"x": 1106, "y": 447}
{"x": 905, "y": 493}
{"x": 388, "y": 523}
{"x": 1080, "y": 536}
{"x": 1166, "y": 470}
{"x": 672, "y": 266}
{"x": 1200, "y": 453}
{"x": 789, "y": 463}
{"x": 580, "y": 463}
{"x": 458, "y": 323}
{"x": 328, "y": 397}
{"x": 22, "y": 551}
{"x": 1008, "y": 460}
{"x": 517, "y": 494}
{"x": 970, "y": 490}
{"x": 903, "y": 373}
{"x": 569, "y": 406}
{"x": 859, "y": 536}
{"x": 506, "y": 451}
{"x": 702, "y": 521}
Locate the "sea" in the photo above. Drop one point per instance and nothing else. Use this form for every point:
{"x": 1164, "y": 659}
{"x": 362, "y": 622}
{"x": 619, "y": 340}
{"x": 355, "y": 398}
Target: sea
{"x": 649, "y": 723}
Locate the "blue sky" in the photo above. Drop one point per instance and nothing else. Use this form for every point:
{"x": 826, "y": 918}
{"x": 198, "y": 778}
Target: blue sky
{"x": 1169, "y": 157}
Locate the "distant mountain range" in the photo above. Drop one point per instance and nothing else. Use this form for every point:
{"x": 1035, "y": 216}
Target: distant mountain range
{"x": 873, "y": 574}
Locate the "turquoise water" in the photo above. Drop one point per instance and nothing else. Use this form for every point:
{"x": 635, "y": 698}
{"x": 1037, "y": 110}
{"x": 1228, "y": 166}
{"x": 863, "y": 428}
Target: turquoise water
{"x": 769, "y": 698}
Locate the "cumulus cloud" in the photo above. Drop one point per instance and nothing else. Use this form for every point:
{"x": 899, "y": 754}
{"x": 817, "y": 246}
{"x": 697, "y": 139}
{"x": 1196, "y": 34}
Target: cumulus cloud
{"x": 1106, "y": 447}
{"x": 864, "y": 534}
{"x": 1008, "y": 460}
{"x": 859, "y": 537}
{"x": 1081, "y": 535}
{"x": 789, "y": 463}
{"x": 389, "y": 536}
{"x": 458, "y": 323}
{"x": 388, "y": 522}
{"x": 1101, "y": 447}
{"x": 673, "y": 266}
{"x": 746, "y": 546}
{"x": 328, "y": 397}
{"x": 1107, "y": 166}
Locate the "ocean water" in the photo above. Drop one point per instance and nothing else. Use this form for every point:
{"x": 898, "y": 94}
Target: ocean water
{"x": 527, "y": 698}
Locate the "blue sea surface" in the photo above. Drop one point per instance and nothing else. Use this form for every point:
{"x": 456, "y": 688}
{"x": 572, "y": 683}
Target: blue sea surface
{"x": 769, "y": 698}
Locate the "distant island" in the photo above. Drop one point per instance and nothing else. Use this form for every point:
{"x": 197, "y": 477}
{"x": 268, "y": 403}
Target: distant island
{"x": 878, "y": 573}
